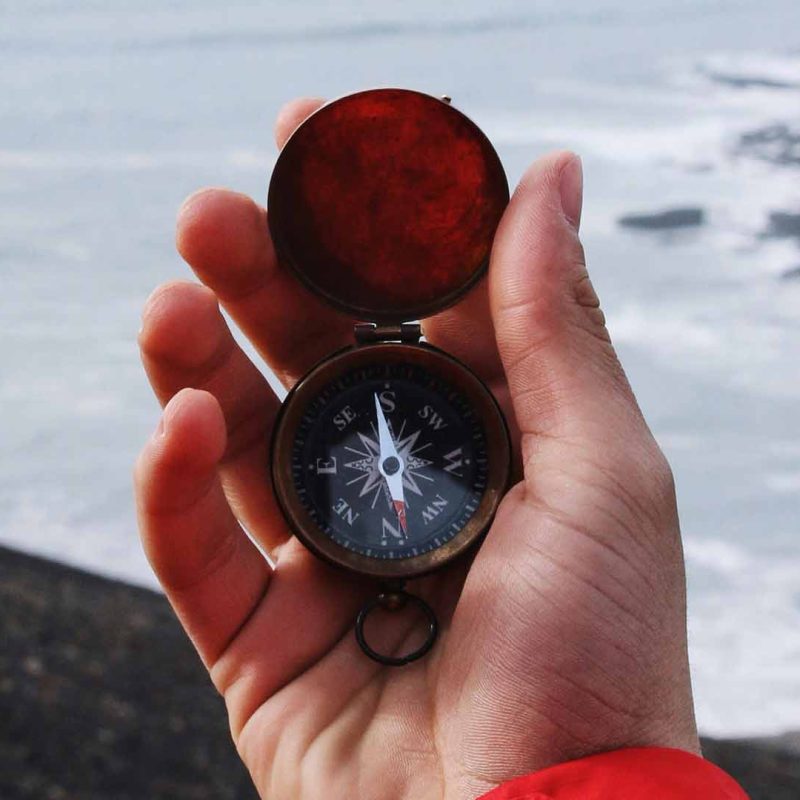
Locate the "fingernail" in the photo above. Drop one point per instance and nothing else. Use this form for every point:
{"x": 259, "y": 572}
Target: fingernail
{"x": 572, "y": 191}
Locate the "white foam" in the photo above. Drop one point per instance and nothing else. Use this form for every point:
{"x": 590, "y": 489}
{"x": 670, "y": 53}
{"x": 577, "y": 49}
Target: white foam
{"x": 41, "y": 525}
{"x": 671, "y": 332}
{"x": 631, "y": 143}
{"x": 730, "y": 343}
{"x": 744, "y": 638}
{"x": 716, "y": 554}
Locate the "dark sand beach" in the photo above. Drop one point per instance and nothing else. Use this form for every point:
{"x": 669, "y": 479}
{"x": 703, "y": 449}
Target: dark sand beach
{"x": 103, "y": 698}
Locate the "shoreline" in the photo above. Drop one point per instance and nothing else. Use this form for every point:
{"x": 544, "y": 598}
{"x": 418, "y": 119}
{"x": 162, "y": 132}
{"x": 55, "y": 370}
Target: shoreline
{"x": 102, "y": 695}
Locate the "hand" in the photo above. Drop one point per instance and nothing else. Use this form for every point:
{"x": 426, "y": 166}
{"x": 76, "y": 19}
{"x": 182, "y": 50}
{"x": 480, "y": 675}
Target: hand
{"x": 390, "y": 465}
{"x": 567, "y": 634}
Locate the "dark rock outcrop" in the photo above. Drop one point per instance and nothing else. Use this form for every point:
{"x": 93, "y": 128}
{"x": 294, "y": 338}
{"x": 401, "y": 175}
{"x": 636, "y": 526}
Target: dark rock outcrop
{"x": 103, "y": 698}
{"x": 782, "y": 225}
{"x": 671, "y": 219}
{"x": 777, "y": 144}
{"x": 791, "y": 274}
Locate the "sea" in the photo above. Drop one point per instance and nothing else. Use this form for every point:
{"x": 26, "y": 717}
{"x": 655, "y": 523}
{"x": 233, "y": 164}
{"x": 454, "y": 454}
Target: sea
{"x": 110, "y": 113}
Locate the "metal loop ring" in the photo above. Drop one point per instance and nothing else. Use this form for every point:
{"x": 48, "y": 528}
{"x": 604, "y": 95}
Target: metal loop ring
{"x": 392, "y": 601}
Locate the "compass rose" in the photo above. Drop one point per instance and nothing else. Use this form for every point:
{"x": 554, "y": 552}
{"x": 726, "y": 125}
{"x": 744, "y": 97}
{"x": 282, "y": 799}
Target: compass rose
{"x": 367, "y": 459}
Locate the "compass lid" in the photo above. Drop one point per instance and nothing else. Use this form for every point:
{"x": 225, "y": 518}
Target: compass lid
{"x": 385, "y": 203}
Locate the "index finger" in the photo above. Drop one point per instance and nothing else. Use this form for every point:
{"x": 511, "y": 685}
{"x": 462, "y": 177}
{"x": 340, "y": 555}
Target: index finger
{"x": 224, "y": 237}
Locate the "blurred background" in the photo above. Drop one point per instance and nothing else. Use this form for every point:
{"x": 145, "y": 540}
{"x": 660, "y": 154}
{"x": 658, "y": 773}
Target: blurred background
{"x": 687, "y": 116}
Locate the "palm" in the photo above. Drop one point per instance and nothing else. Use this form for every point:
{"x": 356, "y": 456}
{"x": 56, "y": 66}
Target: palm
{"x": 398, "y": 733}
{"x": 565, "y": 634}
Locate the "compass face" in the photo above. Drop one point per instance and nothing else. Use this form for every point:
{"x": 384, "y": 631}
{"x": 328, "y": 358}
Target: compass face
{"x": 389, "y": 461}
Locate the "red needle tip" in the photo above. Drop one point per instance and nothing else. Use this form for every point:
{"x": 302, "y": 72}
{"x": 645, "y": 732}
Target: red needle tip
{"x": 400, "y": 508}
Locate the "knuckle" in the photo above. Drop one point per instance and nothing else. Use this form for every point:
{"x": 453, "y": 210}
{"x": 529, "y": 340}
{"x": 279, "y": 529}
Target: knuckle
{"x": 652, "y": 483}
{"x": 166, "y": 297}
{"x": 584, "y": 291}
{"x": 589, "y": 315}
{"x": 164, "y": 291}
{"x": 139, "y": 469}
{"x": 662, "y": 476}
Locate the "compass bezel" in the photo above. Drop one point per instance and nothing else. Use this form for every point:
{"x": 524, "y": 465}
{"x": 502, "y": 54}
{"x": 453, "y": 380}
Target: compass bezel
{"x": 441, "y": 364}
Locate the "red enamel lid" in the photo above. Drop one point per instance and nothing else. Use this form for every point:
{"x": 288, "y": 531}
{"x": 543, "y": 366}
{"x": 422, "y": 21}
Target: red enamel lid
{"x": 385, "y": 203}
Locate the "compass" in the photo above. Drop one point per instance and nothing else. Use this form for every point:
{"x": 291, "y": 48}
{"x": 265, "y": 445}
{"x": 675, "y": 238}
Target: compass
{"x": 390, "y": 457}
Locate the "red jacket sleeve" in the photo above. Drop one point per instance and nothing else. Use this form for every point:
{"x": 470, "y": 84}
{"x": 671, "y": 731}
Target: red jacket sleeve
{"x": 636, "y": 773}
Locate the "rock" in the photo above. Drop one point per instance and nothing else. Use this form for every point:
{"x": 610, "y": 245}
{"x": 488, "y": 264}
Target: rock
{"x": 131, "y": 715}
{"x": 768, "y": 768}
{"x": 777, "y": 144}
{"x": 782, "y": 225}
{"x": 791, "y": 274}
{"x": 751, "y": 81}
{"x": 135, "y": 717}
{"x": 670, "y": 219}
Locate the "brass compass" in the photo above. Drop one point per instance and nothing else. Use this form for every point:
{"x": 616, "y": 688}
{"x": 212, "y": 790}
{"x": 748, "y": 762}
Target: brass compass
{"x": 390, "y": 457}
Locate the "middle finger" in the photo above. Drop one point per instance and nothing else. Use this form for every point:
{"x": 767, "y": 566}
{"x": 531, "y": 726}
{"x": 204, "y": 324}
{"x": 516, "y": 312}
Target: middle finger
{"x": 224, "y": 237}
{"x": 185, "y": 342}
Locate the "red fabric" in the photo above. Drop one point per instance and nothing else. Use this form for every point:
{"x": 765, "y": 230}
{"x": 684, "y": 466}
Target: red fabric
{"x": 636, "y": 773}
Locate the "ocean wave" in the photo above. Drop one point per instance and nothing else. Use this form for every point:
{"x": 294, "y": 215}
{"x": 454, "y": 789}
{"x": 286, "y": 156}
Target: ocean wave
{"x": 383, "y": 25}
{"x": 131, "y": 161}
{"x": 752, "y": 70}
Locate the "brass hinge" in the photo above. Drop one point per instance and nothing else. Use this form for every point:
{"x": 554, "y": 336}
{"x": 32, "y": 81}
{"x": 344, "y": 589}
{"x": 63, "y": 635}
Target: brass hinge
{"x": 370, "y": 333}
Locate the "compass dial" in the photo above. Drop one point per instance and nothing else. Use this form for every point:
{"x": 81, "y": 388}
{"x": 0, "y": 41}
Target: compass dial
{"x": 389, "y": 460}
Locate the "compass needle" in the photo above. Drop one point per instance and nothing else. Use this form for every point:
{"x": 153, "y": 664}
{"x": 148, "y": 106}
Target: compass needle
{"x": 390, "y": 465}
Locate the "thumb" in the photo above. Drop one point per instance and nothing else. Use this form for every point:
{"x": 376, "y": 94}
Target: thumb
{"x": 563, "y": 374}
